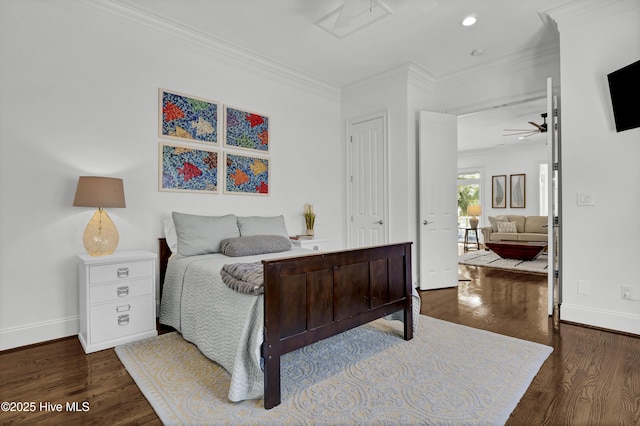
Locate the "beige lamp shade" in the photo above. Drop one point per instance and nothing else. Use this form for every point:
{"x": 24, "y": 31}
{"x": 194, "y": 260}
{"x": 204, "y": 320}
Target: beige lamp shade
{"x": 102, "y": 192}
{"x": 474, "y": 211}
{"x": 101, "y": 236}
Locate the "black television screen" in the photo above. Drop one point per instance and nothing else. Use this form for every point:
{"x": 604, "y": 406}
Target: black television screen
{"x": 624, "y": 86}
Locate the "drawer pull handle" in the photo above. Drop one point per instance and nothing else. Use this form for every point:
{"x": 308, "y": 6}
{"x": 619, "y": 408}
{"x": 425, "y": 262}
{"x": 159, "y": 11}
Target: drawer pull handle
{"x": 123, "y": 308}
{"x": 123, "y": 319}
{"x": 123, "y": 291}
{"x": 123, "y": 272}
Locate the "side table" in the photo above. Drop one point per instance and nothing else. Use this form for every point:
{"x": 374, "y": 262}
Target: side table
{"x": 466, "y": 238}
{"x": 116, "y": 298}
{"x": 318, "y": 244}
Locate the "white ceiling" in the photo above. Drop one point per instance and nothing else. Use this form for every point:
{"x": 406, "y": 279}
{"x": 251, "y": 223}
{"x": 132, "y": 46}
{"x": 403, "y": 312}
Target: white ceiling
{"x": 486, "y": 129}
{"x": 426, "y": 33}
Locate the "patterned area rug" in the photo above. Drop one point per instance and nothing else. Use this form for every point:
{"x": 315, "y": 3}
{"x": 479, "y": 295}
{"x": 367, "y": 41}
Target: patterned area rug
{"x": 492, "y": 260}
{"x": 447, "y": 374}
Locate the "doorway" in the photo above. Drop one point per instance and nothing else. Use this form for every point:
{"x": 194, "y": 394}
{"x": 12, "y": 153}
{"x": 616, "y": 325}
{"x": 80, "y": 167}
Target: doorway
{"x": 367, "y": 189}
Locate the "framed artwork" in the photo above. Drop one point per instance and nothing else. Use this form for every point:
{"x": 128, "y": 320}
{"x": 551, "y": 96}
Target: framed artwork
{"x": 187, "y": 169}
{"x": 518, "y": 191}
{"x": 246, "y": 130}
{"x": 188, "y": 118}
{"x": 499, "y": 192}
{"x": 245, "y": 174}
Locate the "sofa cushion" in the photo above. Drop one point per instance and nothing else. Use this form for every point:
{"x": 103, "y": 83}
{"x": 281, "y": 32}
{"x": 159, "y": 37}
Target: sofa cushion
{"x": 499, "y": 236}
{"x": 532, "y": 236}
{"x": 536, "y": 224}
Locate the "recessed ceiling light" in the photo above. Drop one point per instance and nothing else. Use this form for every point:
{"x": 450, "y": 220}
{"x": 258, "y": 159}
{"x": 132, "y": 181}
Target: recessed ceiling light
{"x": 477, "y": 52}
{"x": 469, "y": 21}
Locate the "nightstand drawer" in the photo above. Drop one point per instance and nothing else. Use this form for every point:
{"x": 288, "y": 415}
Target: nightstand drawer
{"x": 122, "y": 319}
{"x": 120, "y": 271}
{"x": 113, "y": 292}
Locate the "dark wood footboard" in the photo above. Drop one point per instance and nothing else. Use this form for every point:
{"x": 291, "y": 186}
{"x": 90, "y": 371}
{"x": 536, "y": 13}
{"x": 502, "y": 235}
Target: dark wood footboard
{"x": 311, "y": 298}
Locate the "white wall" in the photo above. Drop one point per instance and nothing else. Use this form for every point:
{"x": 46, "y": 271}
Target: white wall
{"x": 523, "y": 158}
{"x": 79, "y": 84}
{"x": 601, "y": 241}
{"x": 387, "y": 93}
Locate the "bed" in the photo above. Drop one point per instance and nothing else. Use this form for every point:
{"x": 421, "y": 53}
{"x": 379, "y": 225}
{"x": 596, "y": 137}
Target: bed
{"x": 308, "y": 296}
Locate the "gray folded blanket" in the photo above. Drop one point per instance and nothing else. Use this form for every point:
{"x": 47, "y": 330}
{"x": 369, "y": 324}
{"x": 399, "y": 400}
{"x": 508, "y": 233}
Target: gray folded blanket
{"x": 244, "y": 277}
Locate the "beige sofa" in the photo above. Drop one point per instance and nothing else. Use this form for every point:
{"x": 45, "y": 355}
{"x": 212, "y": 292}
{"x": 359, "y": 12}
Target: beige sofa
{"x": 527, "y": 228}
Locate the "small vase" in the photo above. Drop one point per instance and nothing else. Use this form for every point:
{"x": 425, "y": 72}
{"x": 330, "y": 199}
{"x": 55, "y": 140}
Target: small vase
{"x": 310, "y": 232}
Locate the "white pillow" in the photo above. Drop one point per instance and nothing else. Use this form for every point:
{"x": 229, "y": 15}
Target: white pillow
{"x": 494, "y": 222}
{"x": 507, "y": 227}
{"x": 262, "y": 225}
{"x": 170, "y": 234}
{"x": 202, "y": 234}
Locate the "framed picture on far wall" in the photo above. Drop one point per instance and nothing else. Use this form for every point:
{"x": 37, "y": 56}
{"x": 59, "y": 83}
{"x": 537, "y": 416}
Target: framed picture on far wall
{"x": 499, "y": 192}
{"x": 246, "y": 130}
{"x": 518, "y": 191}
{"x": 188, "y": 169}
{"x": 188, "y": 118}
{"x": 248, "y": 175}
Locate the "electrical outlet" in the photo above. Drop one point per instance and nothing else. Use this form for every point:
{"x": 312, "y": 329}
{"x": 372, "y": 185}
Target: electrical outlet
{"x": 627, "y": 292}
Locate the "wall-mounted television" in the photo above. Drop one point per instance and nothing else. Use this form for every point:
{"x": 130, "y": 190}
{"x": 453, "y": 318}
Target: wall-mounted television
{"x": 624, "y": 86}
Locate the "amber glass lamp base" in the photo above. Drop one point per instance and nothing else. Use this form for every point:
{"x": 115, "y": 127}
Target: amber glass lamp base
{"x": 101, "y": 236}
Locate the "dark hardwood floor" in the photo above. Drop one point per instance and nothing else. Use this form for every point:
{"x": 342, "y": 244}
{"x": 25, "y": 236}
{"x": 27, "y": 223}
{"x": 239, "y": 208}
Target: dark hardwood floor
{"x": 591, "y": 378}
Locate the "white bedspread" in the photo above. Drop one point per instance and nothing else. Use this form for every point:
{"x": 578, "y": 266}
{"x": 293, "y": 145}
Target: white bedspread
{"x": 225, "y": 325}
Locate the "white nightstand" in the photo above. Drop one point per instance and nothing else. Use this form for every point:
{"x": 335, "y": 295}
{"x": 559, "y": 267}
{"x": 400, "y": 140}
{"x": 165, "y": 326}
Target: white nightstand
{"x": 319, "y": 244}
{"x": 117, "y": 299}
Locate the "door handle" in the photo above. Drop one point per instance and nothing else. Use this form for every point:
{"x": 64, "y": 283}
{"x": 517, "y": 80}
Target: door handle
{"x": 380, "y": 222}
{"x": 426, "y": 222}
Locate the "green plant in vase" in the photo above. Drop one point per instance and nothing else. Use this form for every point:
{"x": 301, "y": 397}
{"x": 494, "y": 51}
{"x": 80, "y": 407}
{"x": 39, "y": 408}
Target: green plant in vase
{"x": 309, "y": 217}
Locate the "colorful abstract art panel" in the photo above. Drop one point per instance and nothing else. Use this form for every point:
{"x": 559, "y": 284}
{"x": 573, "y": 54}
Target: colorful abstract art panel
{"x": 246, "y": 175}
{"x": 188, "y": 118}
{"x": 188, "y": 169}
{"x": 246, "y": 130}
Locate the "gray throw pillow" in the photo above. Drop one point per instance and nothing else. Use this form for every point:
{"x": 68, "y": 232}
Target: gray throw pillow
{"x": 202, "y": 234}
{"x": 254, "y": 244}
{"x": 262, "y": 225}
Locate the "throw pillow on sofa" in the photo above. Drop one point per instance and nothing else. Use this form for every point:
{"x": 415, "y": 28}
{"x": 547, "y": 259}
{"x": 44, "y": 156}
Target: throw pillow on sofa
{"x": 494, "y": 221}
{"x": 507, "y": 227}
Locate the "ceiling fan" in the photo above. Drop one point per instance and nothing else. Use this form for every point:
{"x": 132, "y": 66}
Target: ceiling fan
{"x": 539, "y": 128}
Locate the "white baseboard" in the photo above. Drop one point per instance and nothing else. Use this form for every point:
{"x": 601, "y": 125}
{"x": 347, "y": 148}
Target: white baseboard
{"x": 611, "y": 320}
{"x": 39, "y": 332}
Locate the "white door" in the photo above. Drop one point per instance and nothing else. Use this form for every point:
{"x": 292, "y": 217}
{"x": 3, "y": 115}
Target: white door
{"x": 553, "y": 152}
{"x": 438, "y": 146}
{"x": 368, "y": 182}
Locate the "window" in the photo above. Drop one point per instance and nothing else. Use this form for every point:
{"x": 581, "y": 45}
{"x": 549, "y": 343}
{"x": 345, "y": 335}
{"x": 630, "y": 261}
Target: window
{"x": 469, "y": 186}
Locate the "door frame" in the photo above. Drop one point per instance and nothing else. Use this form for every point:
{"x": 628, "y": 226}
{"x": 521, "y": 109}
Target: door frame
{"x": 349, "y": 190}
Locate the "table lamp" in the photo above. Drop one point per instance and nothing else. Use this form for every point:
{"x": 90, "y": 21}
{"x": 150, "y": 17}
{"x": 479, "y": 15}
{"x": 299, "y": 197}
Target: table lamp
{"x": 474, "y": 211}
{"x": 100, "y": 237}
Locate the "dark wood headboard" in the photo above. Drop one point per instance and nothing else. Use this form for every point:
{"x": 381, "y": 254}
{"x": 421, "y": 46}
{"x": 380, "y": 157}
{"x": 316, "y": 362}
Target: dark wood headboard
{"x": 163, "y": 253}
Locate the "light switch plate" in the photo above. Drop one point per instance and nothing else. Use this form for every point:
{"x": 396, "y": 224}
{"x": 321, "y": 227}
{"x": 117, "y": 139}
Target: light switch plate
{"x": 586, "y": 199}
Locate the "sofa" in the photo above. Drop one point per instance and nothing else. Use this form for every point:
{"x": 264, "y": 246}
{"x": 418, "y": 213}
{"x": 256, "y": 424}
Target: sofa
{"x": 516, "y": 228}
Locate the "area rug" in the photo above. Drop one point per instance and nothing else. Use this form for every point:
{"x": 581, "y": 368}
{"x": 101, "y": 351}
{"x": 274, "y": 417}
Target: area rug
{"x": 492, "y": 260}
{"x": 447, "y": 374}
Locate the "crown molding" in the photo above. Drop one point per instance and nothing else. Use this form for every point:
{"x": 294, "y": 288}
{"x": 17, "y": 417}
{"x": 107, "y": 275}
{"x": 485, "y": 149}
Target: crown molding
{"x": 540, "y": 55}
{"x": 217, "y": 46}
{"x": 579, "y": 12}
